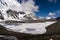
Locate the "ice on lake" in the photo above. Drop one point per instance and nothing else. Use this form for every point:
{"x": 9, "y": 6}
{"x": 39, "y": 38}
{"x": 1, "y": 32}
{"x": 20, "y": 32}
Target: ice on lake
{"x": 30, "y": 28}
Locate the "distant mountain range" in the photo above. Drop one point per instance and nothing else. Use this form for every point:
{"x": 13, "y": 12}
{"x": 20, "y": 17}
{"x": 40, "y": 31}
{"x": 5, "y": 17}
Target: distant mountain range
{"x": 58, "y": 18}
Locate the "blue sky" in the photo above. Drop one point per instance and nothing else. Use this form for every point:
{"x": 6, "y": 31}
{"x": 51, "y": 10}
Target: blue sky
{"x": 46, "y": 6}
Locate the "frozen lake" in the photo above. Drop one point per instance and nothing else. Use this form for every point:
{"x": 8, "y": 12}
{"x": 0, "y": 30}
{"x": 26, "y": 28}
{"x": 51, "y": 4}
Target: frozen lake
{"x": 30, "y": 28}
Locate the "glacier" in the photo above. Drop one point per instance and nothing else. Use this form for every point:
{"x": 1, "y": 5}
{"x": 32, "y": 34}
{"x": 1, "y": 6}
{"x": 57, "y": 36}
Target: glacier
{"x": 30, "y": 28}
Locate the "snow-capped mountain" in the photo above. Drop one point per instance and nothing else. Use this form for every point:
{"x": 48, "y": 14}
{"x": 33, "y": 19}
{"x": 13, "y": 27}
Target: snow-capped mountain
{"x": 10, "y": 4}
{"x": 15, "y": 9}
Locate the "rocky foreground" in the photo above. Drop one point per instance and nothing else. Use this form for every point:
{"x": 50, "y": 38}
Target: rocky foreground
{"x": 53, "y": 31}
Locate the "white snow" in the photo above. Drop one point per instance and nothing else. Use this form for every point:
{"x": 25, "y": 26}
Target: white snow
{"x": 28, "y": 8}
{"x": 30, "y": 28}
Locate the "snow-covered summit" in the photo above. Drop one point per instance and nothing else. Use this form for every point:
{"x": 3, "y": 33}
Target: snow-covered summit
{"x": 10, "y": 4}
{"x": 14, "y": 5}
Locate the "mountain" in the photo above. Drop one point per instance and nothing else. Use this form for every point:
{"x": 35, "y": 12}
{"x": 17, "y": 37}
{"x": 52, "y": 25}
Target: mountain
{"x": 5, "y": 5}
{"x": 1, "y": 17}
{"x": 18, "y": 15}
{"x": 58, "y": 18}
{"x": 12, "y": 10}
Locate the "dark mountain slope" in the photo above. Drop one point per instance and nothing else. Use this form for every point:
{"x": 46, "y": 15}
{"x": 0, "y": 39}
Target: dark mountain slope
{"x": 54, "y": 28}
{"x": 58, "y": 18}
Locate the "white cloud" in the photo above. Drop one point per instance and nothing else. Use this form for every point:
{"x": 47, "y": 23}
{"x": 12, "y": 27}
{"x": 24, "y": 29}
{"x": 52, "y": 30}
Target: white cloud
{"x": 58, "y": 11}
{"x": 29, "y": 6}
{"x": 52, "y": 1}
{"x": 51, "y": 14}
